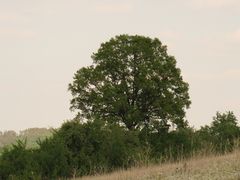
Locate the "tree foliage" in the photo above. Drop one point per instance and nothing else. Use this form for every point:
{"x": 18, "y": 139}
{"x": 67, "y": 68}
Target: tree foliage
{"x": 225, "y": 130}
{"x": 133, "y": 81}
{"x": 221, "y": 134}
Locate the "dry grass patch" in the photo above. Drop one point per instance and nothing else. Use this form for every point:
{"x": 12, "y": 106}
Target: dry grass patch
{"x": 225, "y": 167}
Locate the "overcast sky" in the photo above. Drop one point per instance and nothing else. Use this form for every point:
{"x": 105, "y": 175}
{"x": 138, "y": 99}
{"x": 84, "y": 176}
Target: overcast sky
{"x": 43, "y": 43}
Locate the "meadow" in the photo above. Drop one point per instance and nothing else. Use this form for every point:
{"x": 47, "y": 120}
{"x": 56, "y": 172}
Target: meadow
{"x": 212, "y": 167}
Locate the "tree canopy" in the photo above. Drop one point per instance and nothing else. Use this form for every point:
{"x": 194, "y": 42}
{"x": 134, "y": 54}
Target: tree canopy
{"x": 133, "y": 82}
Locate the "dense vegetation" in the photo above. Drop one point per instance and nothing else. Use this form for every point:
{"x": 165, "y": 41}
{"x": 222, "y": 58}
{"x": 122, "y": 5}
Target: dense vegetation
{"x": 130, "y": 111}
{"x": 79, "y": 148}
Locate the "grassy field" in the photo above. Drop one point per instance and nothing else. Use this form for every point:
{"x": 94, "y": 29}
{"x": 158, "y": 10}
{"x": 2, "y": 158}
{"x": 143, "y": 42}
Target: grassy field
{"x": 225, "y": 167}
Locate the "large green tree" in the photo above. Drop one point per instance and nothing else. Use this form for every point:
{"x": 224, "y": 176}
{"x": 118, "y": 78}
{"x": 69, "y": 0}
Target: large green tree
{"x": 133, "y": 82}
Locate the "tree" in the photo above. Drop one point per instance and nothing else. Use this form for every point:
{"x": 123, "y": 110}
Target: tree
{"x": 225, "y": 130}
{"x": 133, "y": 82}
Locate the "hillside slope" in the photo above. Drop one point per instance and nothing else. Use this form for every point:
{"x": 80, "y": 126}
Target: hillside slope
{"x": 225, "y": 167}
{"x": 31, "y": 135}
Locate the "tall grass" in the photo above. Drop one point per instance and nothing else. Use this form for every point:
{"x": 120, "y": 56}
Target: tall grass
{"x": 209, "y": 167}
{"x": 203, "y": 164}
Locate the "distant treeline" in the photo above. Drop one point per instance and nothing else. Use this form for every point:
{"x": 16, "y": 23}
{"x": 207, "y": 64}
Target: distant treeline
{"x": 31, "y": 135}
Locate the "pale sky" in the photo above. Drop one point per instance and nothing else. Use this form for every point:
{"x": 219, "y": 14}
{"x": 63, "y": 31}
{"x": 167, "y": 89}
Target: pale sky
{"x": 43, "y": 43}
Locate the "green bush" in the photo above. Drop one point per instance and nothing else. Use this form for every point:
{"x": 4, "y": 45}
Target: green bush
{"x": 96, "y": 147}
{"x": 52, "y": 159}
{"x": 171, "y": 145}
{"x": 17, "y": 162}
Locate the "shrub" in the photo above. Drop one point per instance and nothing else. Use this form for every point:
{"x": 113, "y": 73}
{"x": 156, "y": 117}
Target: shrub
{"x": 17, "y": 162}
